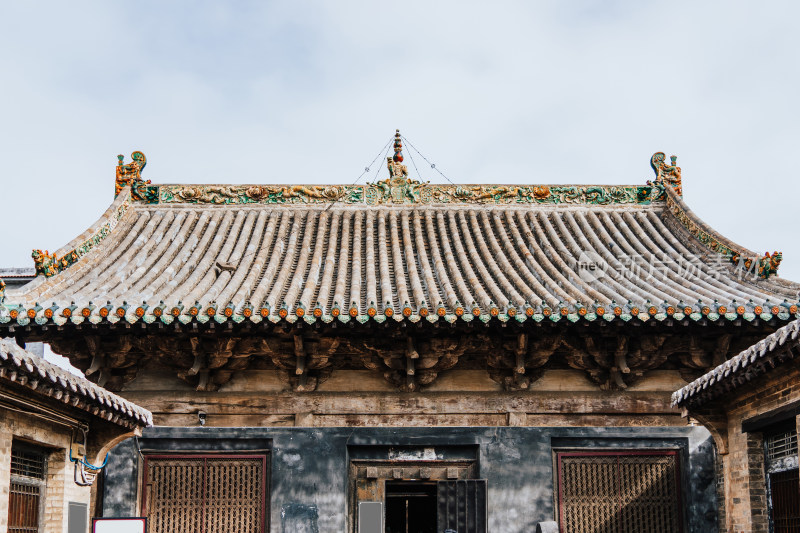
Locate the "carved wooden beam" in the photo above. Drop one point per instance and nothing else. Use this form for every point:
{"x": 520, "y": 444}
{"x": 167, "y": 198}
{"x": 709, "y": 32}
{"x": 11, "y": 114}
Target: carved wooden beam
{"x": 616, "y": 375}
{"x": 603, "y": 365}
{"x": 111, "y": 362}
{"x": 300, "y": 354}
{"x": 203, "y": 380}
{"x": 647, "y": 352}
{"x": 698, "y": 355}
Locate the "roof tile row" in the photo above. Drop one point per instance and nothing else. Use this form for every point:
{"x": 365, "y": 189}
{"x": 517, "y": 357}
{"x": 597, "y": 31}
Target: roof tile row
{"x": 17, "y": 362}
{"x": 745, "y": 366}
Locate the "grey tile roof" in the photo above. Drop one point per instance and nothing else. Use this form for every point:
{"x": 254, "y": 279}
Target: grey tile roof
{"x": 334, "y": 259}
{"x": 45, "y": 378}
{"x": 6, "y": 273}
{"x": 753, "y": 362}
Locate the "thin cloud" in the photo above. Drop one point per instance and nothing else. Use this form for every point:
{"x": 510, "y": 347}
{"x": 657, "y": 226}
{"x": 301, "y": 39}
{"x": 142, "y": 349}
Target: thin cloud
{"x": 546, "y": 92}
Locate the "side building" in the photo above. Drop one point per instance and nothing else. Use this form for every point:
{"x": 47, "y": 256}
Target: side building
{"x": 55, "y": 431}
{"x": 751, "y": 404}
{"x": 403, "y": 355}
{"x": 14, "y": 279}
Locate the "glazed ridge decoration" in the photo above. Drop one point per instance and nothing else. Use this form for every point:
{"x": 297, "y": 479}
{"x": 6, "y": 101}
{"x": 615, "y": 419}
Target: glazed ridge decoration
{"x": 667, "y": 173}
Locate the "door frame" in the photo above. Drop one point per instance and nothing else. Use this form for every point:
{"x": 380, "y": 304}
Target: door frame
{"x": 467, "y": 468}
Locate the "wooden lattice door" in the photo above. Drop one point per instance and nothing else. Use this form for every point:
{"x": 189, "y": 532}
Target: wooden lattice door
{"x": 205, "y": 494}
{"x": 613, "y": 492}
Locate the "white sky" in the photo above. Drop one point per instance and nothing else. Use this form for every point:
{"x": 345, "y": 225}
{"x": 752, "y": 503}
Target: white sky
{"x": 308, "y": 92}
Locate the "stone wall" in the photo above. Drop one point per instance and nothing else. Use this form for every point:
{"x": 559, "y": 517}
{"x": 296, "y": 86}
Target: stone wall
{"x": 309, "y": 466}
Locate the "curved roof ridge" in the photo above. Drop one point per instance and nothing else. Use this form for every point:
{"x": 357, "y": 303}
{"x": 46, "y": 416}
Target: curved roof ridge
{"x": 747, "y": 364}
{"x": 678, "y": 207}
{"x": 764, "y": 266}
{"x": 50, "y": 264}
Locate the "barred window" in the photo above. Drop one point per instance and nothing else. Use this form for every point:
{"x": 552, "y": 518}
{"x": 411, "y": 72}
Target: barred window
{"x": 780, "y": 445}
{"x": 27, "y": 488}
{"x": 619, "y": 492}
{"x": 27, "y": 463}
{"x": 206, "y": 493}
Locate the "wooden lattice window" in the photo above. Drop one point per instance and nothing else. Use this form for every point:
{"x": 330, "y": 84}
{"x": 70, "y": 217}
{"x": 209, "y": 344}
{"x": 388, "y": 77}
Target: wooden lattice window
{"x": 206, "y": 493}
{"x": 26, "y": 494}
{"x": 619, "y": 492}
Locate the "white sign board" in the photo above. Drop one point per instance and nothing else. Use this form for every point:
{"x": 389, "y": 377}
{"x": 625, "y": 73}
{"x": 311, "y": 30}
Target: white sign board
{"x": 119, "y": 525}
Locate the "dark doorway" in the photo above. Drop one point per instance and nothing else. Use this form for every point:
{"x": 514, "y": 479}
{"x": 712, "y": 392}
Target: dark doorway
{"x": 410, "y": 507}
{"x": 785, "y": 499}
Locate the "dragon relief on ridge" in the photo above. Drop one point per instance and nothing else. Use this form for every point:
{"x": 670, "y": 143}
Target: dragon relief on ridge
{"x": 404, "y": 190}
{"x": 231, "y": 194}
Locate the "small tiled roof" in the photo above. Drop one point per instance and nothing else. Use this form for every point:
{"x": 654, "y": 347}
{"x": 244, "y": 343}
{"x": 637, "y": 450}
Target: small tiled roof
{"x": 398, "y": 250}
{"x": 42, "y": 377}
{"x": 10, "y": 273}
{"x": 753, "y": 362}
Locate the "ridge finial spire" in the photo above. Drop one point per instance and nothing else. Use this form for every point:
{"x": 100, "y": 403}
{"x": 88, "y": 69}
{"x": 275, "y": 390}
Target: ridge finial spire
{"x": 398, "y": 147}
{"x": 395, "y": 163}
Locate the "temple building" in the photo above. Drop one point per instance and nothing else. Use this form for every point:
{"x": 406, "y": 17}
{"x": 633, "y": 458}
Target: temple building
{"x": 406, "y": 356}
